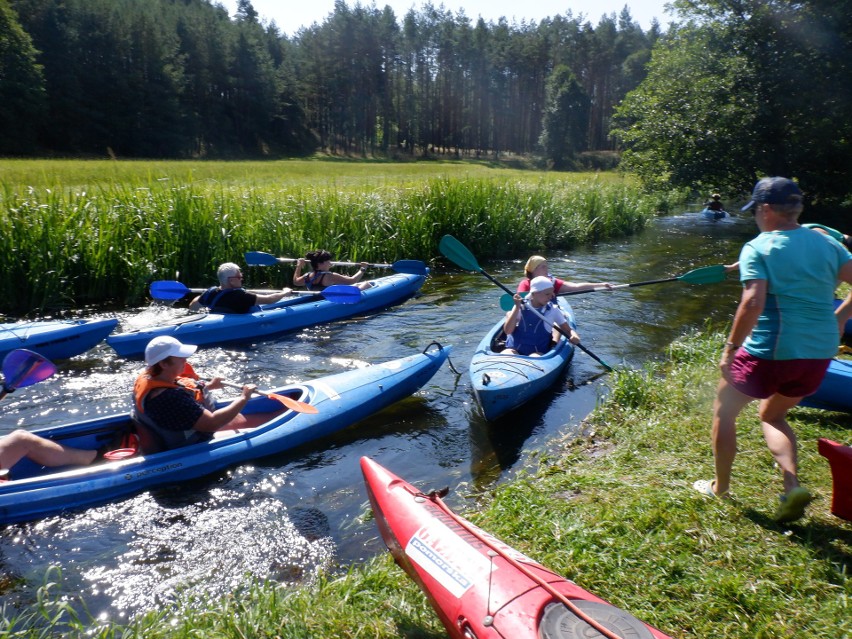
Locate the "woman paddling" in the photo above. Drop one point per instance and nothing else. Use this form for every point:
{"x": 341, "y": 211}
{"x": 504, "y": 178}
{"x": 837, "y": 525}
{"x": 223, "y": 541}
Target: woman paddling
{"x": 536, "y": 266}
{"x": 321, "y": 275}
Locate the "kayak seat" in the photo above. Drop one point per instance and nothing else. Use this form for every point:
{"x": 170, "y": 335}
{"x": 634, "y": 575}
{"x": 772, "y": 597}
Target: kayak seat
{"x": 149, "y": 441}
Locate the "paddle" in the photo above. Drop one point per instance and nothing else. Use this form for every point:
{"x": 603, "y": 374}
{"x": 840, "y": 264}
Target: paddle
{"x": 292, "y": 404}
{"x": 24, "y": 368}
{"x": 338, "y": 293}
{"x": 704, "y": 275}
{"x": 410, "y": 267}
{"x": 454, "y": 250}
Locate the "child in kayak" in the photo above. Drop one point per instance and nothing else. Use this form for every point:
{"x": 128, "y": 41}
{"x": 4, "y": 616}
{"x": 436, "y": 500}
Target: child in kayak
{"x": 531, "y": 325}
{"x": 536, "y": 266}
{"x": 321, "y": 275}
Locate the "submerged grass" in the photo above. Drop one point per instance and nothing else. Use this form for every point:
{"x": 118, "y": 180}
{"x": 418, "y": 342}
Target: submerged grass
{"x": 613, "y": 510}
{"x": 83, "y": 239}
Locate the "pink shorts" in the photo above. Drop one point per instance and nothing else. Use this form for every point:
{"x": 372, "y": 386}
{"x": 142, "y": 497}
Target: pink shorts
{"x": 762, "y": 378}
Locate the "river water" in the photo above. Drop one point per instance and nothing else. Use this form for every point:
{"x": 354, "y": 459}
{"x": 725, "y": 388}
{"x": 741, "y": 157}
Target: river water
{"x": 284, "y": 517}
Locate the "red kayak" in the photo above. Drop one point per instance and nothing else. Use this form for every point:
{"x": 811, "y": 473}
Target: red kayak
{"x": 479, "y": 586}
{"x": 840, "y": 460}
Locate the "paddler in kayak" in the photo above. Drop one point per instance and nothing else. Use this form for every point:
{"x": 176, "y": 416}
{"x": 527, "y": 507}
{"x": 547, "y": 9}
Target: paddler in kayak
{"x": 536, "y": 266}
{"x": 321, "y": 275}
{"x": 171, "y": 405}
{"x": 529, "y": 334}
{"x": 230, "y": 296}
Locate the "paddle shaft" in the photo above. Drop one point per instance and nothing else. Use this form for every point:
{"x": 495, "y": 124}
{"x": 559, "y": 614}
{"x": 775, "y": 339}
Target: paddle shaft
{"x": 285, "y": 260}
{"x": 617, "y": 286}
{"x": 558, "y": 328}
{"x": 289, "y": 402}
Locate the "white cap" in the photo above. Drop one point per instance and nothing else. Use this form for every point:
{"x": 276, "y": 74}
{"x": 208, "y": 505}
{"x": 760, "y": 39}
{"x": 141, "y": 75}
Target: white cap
{"x": 540, "y": 283}
{"x": 165, "y": 346}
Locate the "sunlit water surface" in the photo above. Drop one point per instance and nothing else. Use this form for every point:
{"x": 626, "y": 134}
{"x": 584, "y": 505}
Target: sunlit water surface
{"x": 285, "y": 517}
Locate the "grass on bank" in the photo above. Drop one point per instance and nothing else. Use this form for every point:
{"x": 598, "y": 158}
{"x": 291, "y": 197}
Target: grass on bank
{"x": 615, "y": 511}
{"x": 72, "y": 236}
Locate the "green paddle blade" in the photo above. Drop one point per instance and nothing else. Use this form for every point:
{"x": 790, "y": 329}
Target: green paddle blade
{"x": 507, "y": 302}
{"x": 705, "y": 275}
{"x": 458, "y": 253}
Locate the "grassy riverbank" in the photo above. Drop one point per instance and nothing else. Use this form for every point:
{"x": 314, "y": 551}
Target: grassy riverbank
{"x": 76, "y": 233}
{"x": 615, "y": 511}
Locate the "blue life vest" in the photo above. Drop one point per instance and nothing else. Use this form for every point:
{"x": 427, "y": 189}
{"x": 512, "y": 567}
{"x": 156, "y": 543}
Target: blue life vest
{"x": 532, "y": 334}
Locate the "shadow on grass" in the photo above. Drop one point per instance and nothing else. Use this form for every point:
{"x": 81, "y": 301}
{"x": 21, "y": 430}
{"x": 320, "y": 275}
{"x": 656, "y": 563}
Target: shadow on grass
{"x": 832, "y": 543}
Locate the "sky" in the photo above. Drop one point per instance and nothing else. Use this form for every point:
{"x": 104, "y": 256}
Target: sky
{"x": 291, "y": 16}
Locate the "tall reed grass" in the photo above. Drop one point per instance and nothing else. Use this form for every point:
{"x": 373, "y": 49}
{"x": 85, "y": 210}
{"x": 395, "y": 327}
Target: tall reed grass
{"x": 67, "y": 248}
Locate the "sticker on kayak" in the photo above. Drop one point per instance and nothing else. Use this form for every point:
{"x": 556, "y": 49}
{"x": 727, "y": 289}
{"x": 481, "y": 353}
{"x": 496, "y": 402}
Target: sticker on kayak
{"x": 446, "y": 558}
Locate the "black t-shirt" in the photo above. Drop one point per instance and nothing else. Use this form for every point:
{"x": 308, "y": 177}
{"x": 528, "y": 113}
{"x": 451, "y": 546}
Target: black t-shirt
{"x": 232, "y": 300}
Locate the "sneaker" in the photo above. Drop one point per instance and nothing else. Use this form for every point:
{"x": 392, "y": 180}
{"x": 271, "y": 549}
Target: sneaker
{"x": 792, "y": 506}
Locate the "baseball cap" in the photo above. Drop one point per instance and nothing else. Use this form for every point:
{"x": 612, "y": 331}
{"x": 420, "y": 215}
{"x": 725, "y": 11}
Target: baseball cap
{"x": 774, "y": 190}
{"x": 540, "y": 283}
{"x": 164, "y": 346}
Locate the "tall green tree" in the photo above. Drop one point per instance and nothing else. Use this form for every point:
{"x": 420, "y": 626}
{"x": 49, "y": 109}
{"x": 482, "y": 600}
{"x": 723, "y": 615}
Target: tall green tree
{"x": 22, "y": 91}
{"x": 565, "y": 118}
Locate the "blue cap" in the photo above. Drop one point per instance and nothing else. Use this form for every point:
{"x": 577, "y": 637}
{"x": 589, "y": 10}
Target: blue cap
{"x": 774, "y": 190}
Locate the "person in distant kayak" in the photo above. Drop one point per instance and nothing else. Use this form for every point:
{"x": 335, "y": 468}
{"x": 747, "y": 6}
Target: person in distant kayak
{"x": 230, "y": 296}
{"x": 714, "y": 203}
{"x": 526, "y": 332}
{"x": 172, "y": 406}
{"x": 321, "y": 275}
{"x": 536, "y": 266}
{"x": 783, "y": 336}
{"x": 21, "y": 443}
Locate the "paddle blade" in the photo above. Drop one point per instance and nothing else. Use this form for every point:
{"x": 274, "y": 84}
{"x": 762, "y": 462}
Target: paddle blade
{"x": 342, "y": 294}
{"x": 507, "y": 302}
{"x": 705, "y": 275}
{"x": 258, "y": 258}
{"x": 168, "y": 290}
{"x": 292, "y": 404}
{"x": 24, "y": 368}
{"x": 410, "y": 267}
{"x": 458, "y": 253}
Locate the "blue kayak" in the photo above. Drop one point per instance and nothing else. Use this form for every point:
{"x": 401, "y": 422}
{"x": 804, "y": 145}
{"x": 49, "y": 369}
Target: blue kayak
{"x": 55, "y": 339}
{"x": 709, "y": 214}
{"x": 342, "y": 399}
{"x": 835, "y": 392}
{"x": 291, "y": 314}
{"x": 503, "y": 382}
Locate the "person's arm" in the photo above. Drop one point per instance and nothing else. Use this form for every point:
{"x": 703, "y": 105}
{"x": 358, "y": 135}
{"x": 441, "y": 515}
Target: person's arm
{"x": 511, "y": 321}
{"x": 574, "y": 335}
{"x": 336, "y": 278}
{"x": 210, "y": 422}
{"x": 269, "y": 298}
{"x": 195, "y": 304}
{"x": 576, "y": 287}
{"x": 298, "y": 277}
{"x": 751, "y": 306}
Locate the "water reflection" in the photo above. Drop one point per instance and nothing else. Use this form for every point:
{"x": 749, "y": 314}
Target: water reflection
{"x": 285, "y": 516}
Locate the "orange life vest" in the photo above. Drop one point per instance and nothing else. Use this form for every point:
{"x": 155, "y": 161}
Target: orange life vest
{"x": 187, "y": 380}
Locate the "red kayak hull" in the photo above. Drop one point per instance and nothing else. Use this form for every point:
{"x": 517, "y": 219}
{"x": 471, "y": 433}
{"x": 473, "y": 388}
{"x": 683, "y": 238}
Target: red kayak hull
{"x": 479, "y": 586}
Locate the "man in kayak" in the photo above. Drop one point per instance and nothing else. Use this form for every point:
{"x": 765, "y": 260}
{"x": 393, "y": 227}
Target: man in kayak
{"x": 230, "y": 296}
{"x": 783, "y": 336}
{"x": 715, "y": 204}
{"x": 171, "y": 406}
{"x": 536, "y": 266}
{"x": 528, "y": 333}
{"x": 321, "y": 275}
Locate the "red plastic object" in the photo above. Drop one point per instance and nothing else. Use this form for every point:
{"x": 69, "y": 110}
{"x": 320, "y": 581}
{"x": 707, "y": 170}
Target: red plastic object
{"x": 840, "y": 459}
